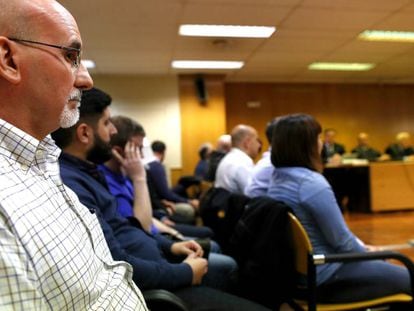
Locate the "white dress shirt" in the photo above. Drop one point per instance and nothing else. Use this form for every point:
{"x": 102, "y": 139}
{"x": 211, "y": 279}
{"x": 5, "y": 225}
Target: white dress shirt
{"x": 53, "y": 255}
{"x": 261, "y": 175}
{"x": 234, "y": 171}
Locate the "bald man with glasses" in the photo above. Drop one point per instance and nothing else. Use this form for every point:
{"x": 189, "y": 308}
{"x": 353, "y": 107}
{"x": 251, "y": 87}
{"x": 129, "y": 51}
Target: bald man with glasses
{"x": 53, "y": 255}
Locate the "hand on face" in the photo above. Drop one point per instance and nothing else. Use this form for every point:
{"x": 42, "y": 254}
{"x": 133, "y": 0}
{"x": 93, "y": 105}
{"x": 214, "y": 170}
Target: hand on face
{"x": 131, "y": 162}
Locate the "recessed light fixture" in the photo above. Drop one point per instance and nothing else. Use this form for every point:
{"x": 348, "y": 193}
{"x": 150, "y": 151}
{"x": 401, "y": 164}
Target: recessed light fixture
{"x": 341, "y": 66}
{"x": 206, "y": 64}
{"x": 88, "y": 63}
{"x": 226, "y": 31}
{"x": 387, "y": 35}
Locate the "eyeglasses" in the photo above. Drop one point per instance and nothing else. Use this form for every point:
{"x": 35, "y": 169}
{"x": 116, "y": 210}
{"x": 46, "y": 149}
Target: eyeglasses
{"x": 72, "y": 54}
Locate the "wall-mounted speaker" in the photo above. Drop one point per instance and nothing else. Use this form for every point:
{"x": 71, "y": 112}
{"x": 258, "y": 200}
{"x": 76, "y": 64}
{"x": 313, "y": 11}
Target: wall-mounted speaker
{"x": 201, "y": 90}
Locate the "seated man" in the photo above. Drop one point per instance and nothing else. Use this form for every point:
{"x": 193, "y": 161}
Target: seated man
{"x": 234, "y": 171}
{"x": 363, "y": 150}
{"x": 157, "y": 262}
{"x": 401, "y": 148}
{"x": 204, "y": 153}
{"x": 262, "y": 172}
{"x": 163, "y": 210}
{"x": 331, "y": 150}
{"x": 184, "y": 208}
{"x": 127, "y": 144}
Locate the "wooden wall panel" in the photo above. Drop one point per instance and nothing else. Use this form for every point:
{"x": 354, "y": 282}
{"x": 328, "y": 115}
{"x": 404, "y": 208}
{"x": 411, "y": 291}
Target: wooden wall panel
{"x": 380, "y": 110}
{"x": 200, "y": 122}
{"x": 175, "y": 174}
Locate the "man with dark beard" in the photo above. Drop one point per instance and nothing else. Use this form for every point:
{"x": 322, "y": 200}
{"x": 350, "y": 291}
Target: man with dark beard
{"x": 157, "y": 262}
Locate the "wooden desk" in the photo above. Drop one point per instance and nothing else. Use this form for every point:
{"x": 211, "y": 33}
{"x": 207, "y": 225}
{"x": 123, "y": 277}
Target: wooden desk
{"x": 377, "y": 187}
{"x": 350, "y": 184}
{"x": 391, "y": 186}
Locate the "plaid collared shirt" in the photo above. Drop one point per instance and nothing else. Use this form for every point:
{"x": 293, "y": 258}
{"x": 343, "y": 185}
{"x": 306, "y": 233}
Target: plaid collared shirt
{"x": 53, "y": 255}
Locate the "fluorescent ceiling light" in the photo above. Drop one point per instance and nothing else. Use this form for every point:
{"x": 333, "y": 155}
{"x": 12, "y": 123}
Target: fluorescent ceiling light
{"x": 226, "y": 31}
{"x": 206, "y": 64}
{"x": 88, "y": 63}
{"x": 341, "y": 66}
{"x": 387, "y": 35}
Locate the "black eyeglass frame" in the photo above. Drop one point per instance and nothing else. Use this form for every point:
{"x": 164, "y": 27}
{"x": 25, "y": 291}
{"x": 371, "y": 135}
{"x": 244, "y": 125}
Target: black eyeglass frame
{"x": 77, "y": 62}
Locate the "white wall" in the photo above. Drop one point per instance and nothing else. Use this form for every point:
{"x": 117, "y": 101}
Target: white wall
{"x": 151, "y": 101}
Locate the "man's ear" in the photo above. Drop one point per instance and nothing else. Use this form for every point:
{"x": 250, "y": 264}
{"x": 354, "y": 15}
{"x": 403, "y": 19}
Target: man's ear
{"x": 9, "y": 61}
{"x": 246, "y": 143}
{"x": 84, "y": 133}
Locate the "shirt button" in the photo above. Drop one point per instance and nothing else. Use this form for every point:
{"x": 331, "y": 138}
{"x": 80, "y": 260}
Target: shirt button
{"x": 24, "y": 167}
{"x": 39, "y": 153}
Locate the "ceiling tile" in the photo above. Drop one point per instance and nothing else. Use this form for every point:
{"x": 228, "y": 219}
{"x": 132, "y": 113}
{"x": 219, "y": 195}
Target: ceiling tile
{"x": 229, "y": 14}
{"x": 332, "y": 19}
{"x": 141, "y": 37}
{"x": 364, "y": 51}
{"x": 251, "y": 2}
{"x": 397, "y": 21}
{"x": 211, "y": 48}
{"x": 358, "y": 5}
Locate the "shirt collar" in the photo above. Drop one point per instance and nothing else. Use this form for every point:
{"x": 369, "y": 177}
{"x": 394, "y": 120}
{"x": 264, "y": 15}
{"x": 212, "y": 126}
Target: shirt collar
{"x": 239, "y": 151}
{"x": 85, "y": 166}
{"x": 17, "y": 144}
{"x": 150, "y": 159}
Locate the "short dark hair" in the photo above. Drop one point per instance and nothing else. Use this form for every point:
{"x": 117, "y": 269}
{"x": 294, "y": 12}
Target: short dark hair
{"x": 126, "y": 128}
{"x": 269, "y": 130}
{"x": 158, "y": 146}
{"x": 203, "y": 152}
{"x": 295, "y": 142}
{"x": 93, "y": 103}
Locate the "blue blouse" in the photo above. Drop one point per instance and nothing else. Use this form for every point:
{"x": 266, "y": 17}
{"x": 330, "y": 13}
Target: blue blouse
{"x": 311, "y": 198}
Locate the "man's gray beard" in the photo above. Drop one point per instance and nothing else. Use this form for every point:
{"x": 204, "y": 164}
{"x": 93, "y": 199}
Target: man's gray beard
{"x": 69, "y": 117}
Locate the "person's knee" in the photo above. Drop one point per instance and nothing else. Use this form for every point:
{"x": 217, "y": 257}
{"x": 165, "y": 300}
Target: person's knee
{"x": 215, "y": 247}
{"x": 185, "y": 209}
{"x": 224, "y": 263}
{"x": 222, "y": 272}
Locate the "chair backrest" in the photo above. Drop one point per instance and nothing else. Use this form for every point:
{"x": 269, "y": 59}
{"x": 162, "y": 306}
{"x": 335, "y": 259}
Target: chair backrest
{"x": 260, "y": 243}
{"x": 204, "y": 187}
{"x": 220, "y": 210}
{"x": 301, "y": 243}
{"x": 302, "y": 255}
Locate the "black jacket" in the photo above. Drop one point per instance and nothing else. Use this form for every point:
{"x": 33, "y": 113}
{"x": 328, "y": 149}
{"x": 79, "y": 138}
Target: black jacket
{"x": 261, "y": 246}
{"x": 398, "y": 152}
{"x": 221, "y": 210}
{"x": 213, "y": 162}
{"x": 329, "y": 152}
